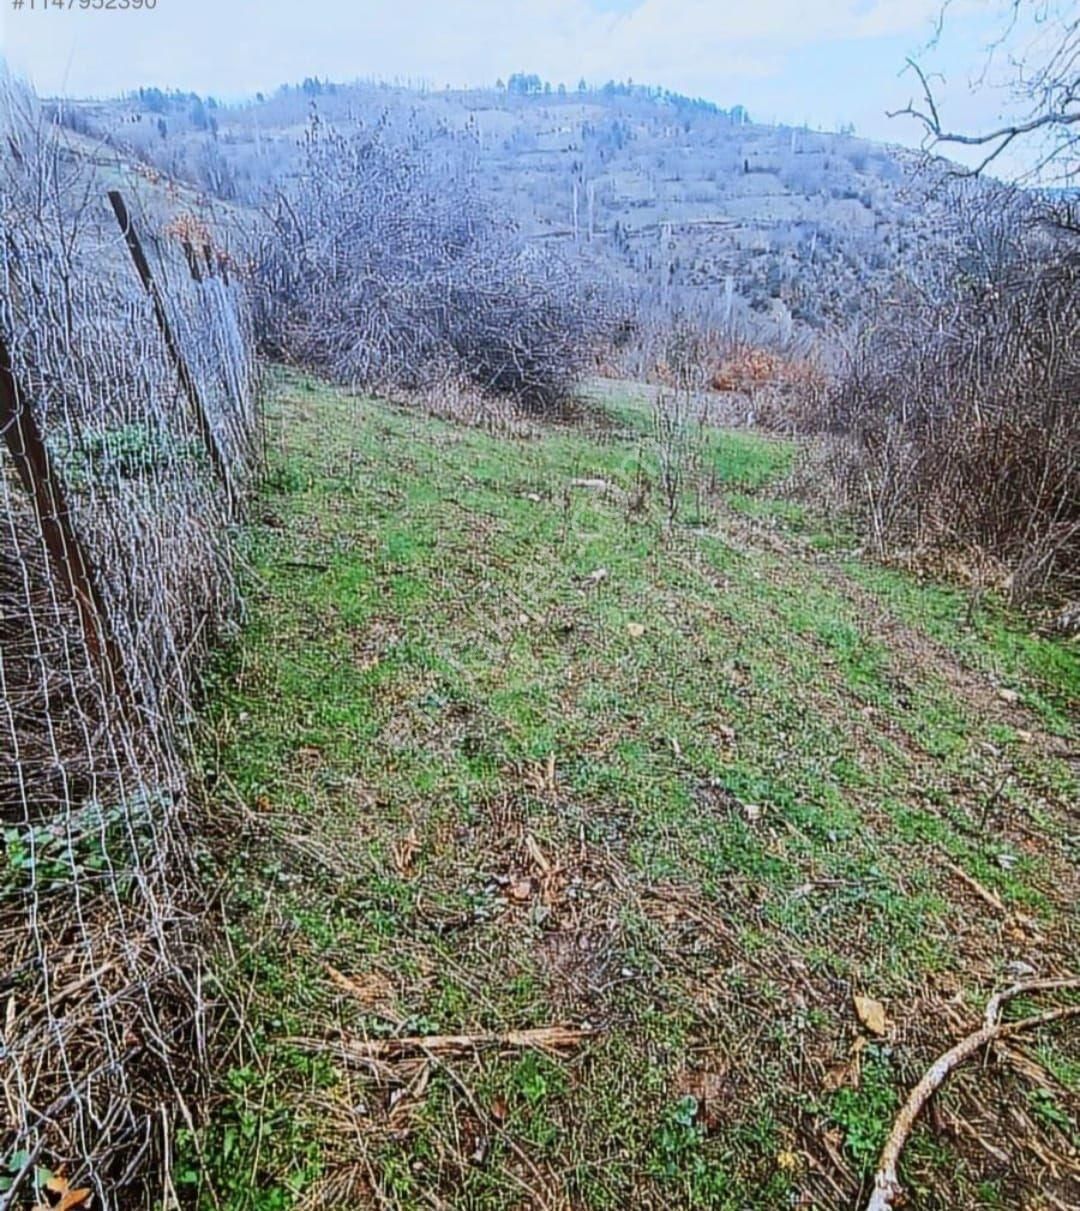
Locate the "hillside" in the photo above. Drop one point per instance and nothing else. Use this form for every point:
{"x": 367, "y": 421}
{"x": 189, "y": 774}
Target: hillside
{"x": 439, "y": 776}
{"x": 557, "y": 841}
{"x": 678, "y": 202}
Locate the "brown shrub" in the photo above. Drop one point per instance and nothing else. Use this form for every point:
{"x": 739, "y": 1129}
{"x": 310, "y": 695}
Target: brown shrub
{"x": 956, "y": 412}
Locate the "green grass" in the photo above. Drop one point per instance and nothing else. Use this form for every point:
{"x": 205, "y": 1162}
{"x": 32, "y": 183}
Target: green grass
{"x": 741, "y": 792}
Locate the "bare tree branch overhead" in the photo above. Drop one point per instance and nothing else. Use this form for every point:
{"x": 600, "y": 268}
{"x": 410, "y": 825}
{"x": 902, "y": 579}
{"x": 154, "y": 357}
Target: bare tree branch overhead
{"x": 1042, "y": 84}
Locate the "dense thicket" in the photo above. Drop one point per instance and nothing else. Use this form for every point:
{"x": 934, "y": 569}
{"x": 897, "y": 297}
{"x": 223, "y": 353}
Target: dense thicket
{"x": 961, "y": 403}
{"x": 384, "y": 270}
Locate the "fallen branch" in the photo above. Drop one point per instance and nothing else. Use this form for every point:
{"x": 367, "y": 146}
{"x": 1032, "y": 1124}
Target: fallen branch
{"x": 549, "y": 1038}
{"x": 886, "y": 1183}
{"x": 984, "y": 893}
{"x": 993, "y": 1006}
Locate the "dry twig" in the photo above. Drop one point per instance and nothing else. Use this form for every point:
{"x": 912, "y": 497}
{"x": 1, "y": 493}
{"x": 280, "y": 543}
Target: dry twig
{"x": 886, "y": 1182}
{"x": 546, "y": 1038}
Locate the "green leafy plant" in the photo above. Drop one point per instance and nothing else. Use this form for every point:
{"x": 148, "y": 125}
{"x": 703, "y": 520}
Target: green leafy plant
{"x": 1046, "y": 1108}
{"x": 12, "y": 1167}
{"x": 866, "y": 1114}
{"x": 678, "y": 1155}
{"x": 126, "y": 452}
{"x": 89, "y": 841}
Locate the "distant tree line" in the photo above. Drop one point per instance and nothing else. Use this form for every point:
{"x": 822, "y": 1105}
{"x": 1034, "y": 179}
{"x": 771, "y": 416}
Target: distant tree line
{"x": 529, "y": 84}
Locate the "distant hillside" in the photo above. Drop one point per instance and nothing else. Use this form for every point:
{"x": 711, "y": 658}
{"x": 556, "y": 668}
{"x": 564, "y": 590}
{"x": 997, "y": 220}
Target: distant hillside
{"x": 683, "y": 204}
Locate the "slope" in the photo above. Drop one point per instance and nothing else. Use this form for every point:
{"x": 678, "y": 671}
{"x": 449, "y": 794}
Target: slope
{"x": 501, "y": 749}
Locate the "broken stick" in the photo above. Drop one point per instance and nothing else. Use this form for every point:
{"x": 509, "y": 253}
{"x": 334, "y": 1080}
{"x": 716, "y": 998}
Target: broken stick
{"x": 549, "y": 1038}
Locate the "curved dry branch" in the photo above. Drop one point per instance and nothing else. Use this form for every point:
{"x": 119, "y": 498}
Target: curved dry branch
{"x": 887, "y": 1187}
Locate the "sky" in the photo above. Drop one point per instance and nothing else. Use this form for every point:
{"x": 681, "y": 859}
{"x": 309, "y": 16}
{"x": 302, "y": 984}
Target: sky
{"x": 823, "y": 62}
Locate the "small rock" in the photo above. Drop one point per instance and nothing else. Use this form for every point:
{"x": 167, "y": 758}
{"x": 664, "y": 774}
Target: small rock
{"x": 1011, "y": 697}
{"x": 635, "y": 630}
{"x": 1025, "y": 737}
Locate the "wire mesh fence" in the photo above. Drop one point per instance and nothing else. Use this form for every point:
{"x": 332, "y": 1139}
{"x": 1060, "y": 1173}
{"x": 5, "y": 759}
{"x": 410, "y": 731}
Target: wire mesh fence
{"x": 116, "y": 578}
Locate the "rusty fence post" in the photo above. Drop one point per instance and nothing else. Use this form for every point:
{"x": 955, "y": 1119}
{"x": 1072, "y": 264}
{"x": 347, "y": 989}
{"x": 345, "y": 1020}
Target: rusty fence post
{"x": 187, "y": 380}
{"x": 69, "y": 559}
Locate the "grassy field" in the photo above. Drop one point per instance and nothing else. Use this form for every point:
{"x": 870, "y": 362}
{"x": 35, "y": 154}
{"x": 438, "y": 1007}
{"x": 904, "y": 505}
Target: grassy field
{"x": 498, "y": 751}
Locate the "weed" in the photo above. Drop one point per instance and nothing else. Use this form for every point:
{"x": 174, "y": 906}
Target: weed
{"x": 866, "y": 1114}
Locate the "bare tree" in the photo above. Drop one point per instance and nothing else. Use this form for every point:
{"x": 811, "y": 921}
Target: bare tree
{"x": 1039, "y": 49}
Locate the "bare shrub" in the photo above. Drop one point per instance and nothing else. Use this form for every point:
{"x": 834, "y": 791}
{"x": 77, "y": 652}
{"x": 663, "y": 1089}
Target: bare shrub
{"x": 678, "y": 413}
{"x": 957, "y": 408}
{"x": 386, "y": 272}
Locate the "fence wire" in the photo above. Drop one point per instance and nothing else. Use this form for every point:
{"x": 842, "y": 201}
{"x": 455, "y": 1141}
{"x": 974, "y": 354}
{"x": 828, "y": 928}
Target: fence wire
{"x": 102, "y": 1011}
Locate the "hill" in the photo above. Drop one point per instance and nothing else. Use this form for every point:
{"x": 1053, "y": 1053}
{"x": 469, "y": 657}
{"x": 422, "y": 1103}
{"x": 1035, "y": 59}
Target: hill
{"x": 681, "y": 204}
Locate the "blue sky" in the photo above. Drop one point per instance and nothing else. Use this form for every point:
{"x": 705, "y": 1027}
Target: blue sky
{"x": 819, "y": 61}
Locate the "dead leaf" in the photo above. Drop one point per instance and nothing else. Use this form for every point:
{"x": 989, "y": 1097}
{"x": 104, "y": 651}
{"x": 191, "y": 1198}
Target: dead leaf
{"x": 373, "y": 989}
{"x": 520, "y": 889}
{"x": 848, "y": 1073}
{"x": 872, "y": 1014}
{"x": 69, "y": 1199}
{"x": 837, "y": 1077}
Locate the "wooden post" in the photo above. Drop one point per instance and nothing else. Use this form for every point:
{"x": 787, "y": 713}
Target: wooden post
{"x": 187, "y": 381}
{"x": 69, "y": 560}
